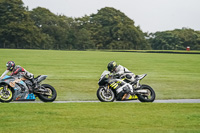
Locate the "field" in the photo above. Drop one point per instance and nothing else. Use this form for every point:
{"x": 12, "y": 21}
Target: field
{"x": 75, "y": 74}
{"x": 99, "y": 118}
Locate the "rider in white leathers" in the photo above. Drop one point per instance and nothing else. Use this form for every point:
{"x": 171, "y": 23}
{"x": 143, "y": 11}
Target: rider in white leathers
{"x": 120, "y": 71}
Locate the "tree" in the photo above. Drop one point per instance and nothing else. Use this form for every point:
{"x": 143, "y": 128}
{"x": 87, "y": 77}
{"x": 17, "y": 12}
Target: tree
{"x": 17, "y": 30}
{"x": 165, "y": 41}
{"x": 188, "y": 37}
{"x": 57, "y": 27}
{"x": 177, "y": 39}
{"x": 112, "y": 29}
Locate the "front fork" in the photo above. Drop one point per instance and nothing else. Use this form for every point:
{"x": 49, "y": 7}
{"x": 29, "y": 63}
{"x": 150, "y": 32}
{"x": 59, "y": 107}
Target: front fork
{"x": 5, "y": 88}
{"x": 107, "y": 88}
{"x": 4, "y": 93}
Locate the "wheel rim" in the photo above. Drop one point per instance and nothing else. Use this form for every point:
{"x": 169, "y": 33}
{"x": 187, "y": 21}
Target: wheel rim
{"x": 148, "y": 95}
{"x": 5, "y": 95}
{"x": 106, "y": 96}
{"x": 49, "y": 94}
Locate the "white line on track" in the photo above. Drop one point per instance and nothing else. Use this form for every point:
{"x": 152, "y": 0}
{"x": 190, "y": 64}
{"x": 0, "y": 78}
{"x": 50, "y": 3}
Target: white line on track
{"x": 130, "y": 101}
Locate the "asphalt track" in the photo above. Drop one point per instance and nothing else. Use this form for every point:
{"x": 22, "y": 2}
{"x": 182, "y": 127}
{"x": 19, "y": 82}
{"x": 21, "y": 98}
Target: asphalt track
{"x": 129, "y": 101}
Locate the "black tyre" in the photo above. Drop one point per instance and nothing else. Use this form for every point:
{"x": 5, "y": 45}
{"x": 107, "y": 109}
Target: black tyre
{"x": 149, "y": 97}
{"x": 5, "y": 96}
{"x": 105, "y": 95}
{"x": 50, "y": 96}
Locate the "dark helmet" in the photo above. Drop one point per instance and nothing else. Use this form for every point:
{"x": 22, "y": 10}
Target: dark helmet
{"x": 10, "y": 65}
{"x": 111, "y": 66}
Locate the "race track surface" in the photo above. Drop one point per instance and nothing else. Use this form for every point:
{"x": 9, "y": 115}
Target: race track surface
{"x": 130, "y": 101}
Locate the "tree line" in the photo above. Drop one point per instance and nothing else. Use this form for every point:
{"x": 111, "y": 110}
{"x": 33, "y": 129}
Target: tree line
{"x": 107, "y": 29}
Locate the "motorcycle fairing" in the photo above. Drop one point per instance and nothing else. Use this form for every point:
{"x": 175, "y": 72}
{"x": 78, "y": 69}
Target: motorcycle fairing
{"x": 30, "y": 97}
{"x": 116, "y": 83}
{"x": 17, "y": 85}
{"x": 131, "y": 97}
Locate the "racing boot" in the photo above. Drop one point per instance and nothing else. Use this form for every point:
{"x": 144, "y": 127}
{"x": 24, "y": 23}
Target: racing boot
{"x": 124, "y": 97}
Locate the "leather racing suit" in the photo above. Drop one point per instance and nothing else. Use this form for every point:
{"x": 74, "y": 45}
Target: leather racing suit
{"x": 20, "y": 70}
{"x": 121, "y": 71}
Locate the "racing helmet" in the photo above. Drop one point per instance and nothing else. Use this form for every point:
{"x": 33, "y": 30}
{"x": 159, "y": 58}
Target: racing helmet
{"x": 111, "y": 66}
{"x": 10, "y": 65}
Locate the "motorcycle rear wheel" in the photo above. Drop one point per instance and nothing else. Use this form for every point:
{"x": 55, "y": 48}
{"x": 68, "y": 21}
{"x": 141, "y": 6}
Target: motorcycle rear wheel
{"x": 50, "y": 96}
{"x": 105, "y": 96}
{"x": 150, "y": 97}
{"x": 5, "y": 96}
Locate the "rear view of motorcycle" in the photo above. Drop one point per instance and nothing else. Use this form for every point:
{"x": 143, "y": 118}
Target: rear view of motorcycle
{"x": 112, "y": 88}
{"x": 18, "y": 88}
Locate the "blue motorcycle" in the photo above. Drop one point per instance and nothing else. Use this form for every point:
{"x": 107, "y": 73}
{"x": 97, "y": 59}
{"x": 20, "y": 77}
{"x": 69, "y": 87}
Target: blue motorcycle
{"x": 18, "y": 88}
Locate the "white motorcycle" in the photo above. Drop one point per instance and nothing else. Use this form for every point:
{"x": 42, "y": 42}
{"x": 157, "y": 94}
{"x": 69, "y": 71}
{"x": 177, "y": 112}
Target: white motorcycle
{"x": 111, "y": 88}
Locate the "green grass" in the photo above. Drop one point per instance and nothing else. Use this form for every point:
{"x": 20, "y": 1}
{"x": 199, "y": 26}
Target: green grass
{"x": 100, "y": 117}
{"x": 75, "y": 74}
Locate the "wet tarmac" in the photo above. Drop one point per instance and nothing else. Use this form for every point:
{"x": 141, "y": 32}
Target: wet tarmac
{"x": 133, "y": 101}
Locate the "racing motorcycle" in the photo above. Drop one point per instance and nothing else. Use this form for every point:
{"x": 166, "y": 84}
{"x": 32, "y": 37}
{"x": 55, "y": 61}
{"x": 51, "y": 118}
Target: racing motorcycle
{"x": 115, "y": 88}
{"x": 18, "y": 88}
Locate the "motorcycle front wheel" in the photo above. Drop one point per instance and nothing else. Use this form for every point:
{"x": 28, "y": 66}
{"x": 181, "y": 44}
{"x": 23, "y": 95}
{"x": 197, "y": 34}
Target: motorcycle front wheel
{"x": 105, "y": 95}
{"x": 5, "y": 95}
{"x": 149, "y": 97}
{"x": 48, "y": 96}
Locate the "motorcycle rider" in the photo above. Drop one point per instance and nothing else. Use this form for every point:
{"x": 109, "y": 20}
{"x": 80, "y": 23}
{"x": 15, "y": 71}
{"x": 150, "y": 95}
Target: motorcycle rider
{"x": 120, "y": 71}
{"x": 16, "y": 69}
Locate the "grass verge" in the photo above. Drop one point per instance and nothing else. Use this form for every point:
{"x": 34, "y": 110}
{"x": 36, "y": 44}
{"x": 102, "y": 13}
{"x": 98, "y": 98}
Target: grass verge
{"x": 100, "y": 117}
{"x": 75, "y": 74}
